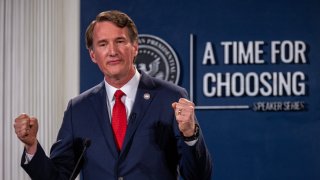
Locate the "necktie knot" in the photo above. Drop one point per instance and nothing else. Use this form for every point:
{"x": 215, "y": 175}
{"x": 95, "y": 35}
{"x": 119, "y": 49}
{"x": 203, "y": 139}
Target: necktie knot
{"x": 118, "y": 94}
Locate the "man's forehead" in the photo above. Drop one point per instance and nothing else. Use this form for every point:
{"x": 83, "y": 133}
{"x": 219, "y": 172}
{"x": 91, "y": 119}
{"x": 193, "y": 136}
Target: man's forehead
{"x": 110, "y": 29}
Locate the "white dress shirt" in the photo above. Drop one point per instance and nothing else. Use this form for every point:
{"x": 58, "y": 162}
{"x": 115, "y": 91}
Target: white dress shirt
{"x": 130, "y": 91}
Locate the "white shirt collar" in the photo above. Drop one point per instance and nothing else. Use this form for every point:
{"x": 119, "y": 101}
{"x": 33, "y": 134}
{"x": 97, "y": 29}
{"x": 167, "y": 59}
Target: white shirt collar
{"x": 130, "y": 89}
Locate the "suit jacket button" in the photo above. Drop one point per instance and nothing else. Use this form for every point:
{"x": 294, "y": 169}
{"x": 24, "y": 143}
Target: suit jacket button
{"x": 120, "y": 178}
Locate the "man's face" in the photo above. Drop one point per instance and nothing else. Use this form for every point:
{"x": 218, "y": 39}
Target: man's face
{"x": 113, "y": 52}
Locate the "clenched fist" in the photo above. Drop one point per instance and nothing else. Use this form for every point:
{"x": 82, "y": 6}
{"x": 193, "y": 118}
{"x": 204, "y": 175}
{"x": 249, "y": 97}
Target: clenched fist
{"x": 26, "y": 129}
{"x": 184, "y": 112}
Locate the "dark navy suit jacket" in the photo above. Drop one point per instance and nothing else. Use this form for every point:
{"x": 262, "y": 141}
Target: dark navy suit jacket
{"x": 153, "y": 147}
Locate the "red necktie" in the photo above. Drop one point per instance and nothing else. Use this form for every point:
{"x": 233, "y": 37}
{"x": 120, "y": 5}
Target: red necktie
{"x": 119, "y": 119}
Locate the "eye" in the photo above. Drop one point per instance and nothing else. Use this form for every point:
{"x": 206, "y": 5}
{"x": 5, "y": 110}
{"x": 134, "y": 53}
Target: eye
{"x": 120, "y": 41}
{"x": 102, "y": 44}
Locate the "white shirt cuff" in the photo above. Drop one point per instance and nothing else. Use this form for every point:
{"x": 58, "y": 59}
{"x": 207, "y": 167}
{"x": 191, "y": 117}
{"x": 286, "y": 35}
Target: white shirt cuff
{"x": 28, "y": 158}
{"x": 191, "y": 143}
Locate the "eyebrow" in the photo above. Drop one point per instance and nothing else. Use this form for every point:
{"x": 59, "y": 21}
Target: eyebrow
{"x": 121, "y": 38}
{"x": 102, "y": 41}
{"x": 117, "y": 38}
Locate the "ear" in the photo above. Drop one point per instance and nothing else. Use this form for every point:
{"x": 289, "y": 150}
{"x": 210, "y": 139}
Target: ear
{"x": 92, "y": 55}
{"x": 135, "y": 48}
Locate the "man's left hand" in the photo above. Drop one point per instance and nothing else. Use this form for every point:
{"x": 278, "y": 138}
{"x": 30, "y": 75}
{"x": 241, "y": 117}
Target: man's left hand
{"x": 184, "y": 112}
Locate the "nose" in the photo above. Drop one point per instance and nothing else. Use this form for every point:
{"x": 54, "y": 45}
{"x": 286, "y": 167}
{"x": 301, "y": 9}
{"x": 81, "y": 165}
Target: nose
{"x": 112, "y": 49}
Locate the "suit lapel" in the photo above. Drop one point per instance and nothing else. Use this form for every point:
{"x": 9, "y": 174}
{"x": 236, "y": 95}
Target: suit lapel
{"x": 98, "y": 101}
{"x": 144, "y": 97}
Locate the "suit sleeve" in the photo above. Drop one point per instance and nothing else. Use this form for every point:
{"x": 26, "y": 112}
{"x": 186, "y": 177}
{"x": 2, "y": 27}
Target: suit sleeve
{"x": 195, "y": 161}
{"x": 61, "y": 162}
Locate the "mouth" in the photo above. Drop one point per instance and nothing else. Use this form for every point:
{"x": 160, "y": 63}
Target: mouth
{"x": 114, "y": 61}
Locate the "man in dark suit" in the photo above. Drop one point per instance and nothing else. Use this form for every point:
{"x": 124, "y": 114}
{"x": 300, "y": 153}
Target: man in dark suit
{"x": 140, "y": 127}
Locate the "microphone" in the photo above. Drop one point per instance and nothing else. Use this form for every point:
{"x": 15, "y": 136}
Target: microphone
{"x": 132, "y": 117}
{"x": 86, "y": 144}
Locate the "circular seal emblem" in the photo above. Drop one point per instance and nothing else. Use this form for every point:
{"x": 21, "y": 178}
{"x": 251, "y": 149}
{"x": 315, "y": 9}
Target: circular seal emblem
{"x": 156, "y": 58}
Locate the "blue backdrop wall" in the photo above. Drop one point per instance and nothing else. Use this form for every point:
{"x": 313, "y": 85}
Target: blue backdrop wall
{"x": 251, "y": 67}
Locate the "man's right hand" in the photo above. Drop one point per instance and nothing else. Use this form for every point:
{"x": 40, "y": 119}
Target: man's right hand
{"x": 26, "y": 129}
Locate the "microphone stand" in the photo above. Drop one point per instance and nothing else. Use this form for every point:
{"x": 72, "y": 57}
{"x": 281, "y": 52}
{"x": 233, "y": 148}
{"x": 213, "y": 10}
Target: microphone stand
{"x": 86, "y": 144}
